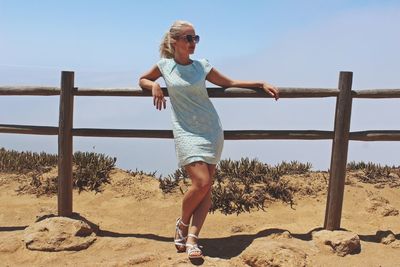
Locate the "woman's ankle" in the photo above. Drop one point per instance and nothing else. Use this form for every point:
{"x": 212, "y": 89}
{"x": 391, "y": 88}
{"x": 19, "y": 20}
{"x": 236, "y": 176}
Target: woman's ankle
{"x": 191, "y": 241}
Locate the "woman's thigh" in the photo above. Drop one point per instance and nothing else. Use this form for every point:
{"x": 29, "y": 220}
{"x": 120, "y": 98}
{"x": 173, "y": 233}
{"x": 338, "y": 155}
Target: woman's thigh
{"x": 200, "y": 173}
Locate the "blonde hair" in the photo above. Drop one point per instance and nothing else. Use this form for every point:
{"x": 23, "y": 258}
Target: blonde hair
{"x": 166, "y": 48}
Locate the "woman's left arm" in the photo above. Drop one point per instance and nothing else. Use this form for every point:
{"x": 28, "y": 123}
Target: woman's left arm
{"x": 217, "y": 78}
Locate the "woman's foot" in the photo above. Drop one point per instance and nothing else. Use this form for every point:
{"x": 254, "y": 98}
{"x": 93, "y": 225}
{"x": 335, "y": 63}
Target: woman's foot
{"x": 180, "y": 238}
{"x": 192, "y": 248}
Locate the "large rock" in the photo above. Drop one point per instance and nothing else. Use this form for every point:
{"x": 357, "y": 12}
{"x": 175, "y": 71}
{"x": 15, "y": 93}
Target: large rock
{"x": 10, "y": 242}
{"x": 267, "y": 252}
{"x": 380, "y": 206}
{"x": 385, "y": 237}
{"x": 341, "y": 242}
{"x": 59, "y": 233}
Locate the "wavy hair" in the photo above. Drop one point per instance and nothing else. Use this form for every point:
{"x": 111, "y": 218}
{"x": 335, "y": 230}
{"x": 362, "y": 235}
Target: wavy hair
{"x": 166, "y": 48}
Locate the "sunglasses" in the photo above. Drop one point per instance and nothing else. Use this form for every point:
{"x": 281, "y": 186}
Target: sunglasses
{"x": 191, "y": 38}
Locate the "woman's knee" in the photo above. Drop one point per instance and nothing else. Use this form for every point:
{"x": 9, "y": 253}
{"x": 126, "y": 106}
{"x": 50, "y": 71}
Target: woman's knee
{"x": 200, "y": 176}
{"x": 202, "y": 183}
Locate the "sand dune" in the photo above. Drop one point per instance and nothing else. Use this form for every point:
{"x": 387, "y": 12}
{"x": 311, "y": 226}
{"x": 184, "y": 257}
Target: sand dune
{"x": 136, "y": 222}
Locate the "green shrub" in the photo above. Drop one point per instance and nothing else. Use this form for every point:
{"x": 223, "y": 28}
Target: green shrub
{"x": 172, "y": 182}
{"x": 375, "y": 173}
{"x": 90, "y": 170}
{"x": 24, "y": 162}
{"x": 243, "y": 185}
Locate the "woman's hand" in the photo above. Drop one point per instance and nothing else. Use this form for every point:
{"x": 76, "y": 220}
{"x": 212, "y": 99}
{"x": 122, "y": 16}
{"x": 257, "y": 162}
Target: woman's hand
{"x": 272, "y": 90}
{"x": 158, "y": 96}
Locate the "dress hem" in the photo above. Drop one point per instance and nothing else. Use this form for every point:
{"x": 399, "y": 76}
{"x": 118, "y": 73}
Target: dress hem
{"x": 189, "y": 160}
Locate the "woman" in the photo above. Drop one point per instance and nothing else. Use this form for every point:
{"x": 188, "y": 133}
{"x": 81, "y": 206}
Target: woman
{"x": 197, "y": 129}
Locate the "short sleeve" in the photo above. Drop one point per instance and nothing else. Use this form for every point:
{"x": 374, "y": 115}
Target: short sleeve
{"x": 161, "y": 64}
{"x": 206, "y": 65}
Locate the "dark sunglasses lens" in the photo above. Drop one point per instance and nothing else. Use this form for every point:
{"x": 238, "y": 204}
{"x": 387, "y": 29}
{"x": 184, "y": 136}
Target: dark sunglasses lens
{"x": 191, "y": 38}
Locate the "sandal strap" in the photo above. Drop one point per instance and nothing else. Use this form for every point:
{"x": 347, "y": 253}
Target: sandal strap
{"x": 181, "y": 240}
{"x": 179, "y": 221}
{"x": 180, "y": 234}
{"x": 194, "y": 248}
{"x": 193, "y": 235}
{"x": 179, "y": 244}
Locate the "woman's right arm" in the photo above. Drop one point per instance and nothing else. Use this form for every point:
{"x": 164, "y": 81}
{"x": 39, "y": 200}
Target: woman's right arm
{"x": 147, "y": 81}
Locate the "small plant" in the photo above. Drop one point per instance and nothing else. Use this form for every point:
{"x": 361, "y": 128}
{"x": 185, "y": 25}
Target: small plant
{"x": 92, "y": 170}
{"x": 136, "y": 172}
{"x": 354, "y": 166}
{"x": 172, "y": 182}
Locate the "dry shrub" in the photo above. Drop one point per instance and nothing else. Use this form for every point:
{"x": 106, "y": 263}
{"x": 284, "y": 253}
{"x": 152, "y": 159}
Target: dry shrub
{"x": 174, "y": 181}
{"x": 375, "y": 173}
{"x": 243, "y": 185}
{"x": 24, "y": 162}
{"x": 90, "y": 170}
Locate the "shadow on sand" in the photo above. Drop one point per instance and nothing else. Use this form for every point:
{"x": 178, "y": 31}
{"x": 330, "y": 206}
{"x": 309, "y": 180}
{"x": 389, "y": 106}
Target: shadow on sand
{"x": 224, "y": 247}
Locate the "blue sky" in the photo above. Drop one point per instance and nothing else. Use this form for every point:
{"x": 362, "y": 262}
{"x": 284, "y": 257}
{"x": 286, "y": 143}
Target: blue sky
{"x": 287, "y": 43}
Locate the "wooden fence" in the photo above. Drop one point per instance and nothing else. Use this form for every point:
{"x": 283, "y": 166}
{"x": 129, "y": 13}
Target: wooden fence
{"x": 340, "y": 135}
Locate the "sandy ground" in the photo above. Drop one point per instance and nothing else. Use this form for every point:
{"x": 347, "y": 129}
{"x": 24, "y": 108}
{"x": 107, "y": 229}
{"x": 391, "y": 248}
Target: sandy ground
{"x": 137, "y": 225}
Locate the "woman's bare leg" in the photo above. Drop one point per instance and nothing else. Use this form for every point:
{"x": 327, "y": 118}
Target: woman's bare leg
{"x": 200, "y": 213}
{"x": 201, "y": 184}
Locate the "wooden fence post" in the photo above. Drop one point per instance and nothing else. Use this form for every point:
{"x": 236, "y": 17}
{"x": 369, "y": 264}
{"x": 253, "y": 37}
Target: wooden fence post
{"x": 65, "y": 144}
{"x": 340, "y": 145}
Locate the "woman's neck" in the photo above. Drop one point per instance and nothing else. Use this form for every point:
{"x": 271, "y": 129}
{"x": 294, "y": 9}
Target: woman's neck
{"x": 182, "y": 59}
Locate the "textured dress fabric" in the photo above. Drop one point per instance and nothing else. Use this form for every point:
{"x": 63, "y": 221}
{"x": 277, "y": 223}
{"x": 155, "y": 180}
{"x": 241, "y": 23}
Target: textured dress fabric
{"x": 196, "y": 126}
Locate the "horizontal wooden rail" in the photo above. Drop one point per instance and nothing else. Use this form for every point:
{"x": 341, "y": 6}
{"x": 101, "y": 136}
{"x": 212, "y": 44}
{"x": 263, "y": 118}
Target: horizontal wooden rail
{"x": 28, "y": 129}
{"x": 228, "y": 135}
{"x": 285, "y": 92}
{"x": 372, "y": 135}
{"x": 376, "y": 93}
{"x": 212, "y": 92}
{"x": 29, "y": 90}
{"x": 219, "y": 92}
{"x": 122, "y": 133}
{"x": 277, "y": 134}
{"x": 375, "y": 135}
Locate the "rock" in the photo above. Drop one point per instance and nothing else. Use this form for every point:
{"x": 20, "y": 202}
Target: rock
{"x": 342, "y": 242}
{"x": 395, "y": 244}
{"x": 44, "y": 214}
{"x": 10, "y": 242}
{"x": 381, "y": 206}
{"x": 385, "y": 237}
{"x": 283, "y": 235}
{"x": 57, "y": 234}
{"x": 267, "y": 252}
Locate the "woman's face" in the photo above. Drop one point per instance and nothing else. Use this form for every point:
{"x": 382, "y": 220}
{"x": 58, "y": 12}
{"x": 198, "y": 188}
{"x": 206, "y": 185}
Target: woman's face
{"x": 182, "y": 45}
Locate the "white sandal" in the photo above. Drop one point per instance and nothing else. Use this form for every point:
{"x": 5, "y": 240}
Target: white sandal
{"x": 180, "y": 242}
{"x": 193, "y": 250}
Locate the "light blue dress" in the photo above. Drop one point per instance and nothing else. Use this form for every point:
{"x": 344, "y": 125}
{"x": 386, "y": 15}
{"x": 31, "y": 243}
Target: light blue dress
{"x": 196, "y": 126}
